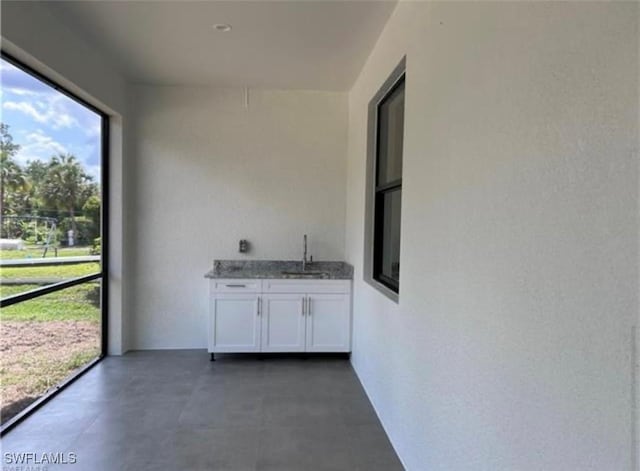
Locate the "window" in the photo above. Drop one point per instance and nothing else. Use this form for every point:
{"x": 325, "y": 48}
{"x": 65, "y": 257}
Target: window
{"x": 53, "y": 238}
{"x": 384, "y": 185}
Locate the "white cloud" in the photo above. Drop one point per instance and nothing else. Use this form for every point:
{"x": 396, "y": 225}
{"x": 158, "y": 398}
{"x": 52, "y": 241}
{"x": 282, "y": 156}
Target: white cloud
{"x": 41, "y": 139}
{"x": 20, "y": 91}
{"x": 39, "y": 146}
{"x": 50, "y": 110}
{"x": 26, "y": 108}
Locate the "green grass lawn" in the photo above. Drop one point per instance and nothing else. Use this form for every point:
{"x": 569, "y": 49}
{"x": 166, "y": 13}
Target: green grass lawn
{"x": 36, "y": 252}
{"x": 44, "y": 340}
{"x": 76, "y": 303}
{"x": 51, "y": 271}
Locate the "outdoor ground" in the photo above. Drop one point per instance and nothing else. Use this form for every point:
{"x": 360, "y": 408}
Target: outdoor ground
{"x": 37, "y": 252}
{"x": 42, "y": 341}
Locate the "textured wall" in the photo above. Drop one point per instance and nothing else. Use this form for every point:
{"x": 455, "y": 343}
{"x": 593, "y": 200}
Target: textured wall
{"x": 208, "y": 172}
{"x": 510, "y": 347}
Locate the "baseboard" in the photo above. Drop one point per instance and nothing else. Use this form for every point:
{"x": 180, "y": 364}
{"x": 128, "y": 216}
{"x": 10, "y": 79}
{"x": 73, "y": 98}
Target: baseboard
{"x": 366, "y": 391}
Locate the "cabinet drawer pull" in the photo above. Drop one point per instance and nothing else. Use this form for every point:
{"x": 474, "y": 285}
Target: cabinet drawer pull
{"x": 236, "y": 286}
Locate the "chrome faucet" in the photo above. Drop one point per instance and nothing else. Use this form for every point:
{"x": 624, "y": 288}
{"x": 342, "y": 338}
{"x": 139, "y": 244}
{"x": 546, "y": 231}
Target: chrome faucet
{"x": 304, "y": 256}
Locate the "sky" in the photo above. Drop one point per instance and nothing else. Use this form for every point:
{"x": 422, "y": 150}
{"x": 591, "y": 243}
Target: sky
{"x": 45, "y": 122}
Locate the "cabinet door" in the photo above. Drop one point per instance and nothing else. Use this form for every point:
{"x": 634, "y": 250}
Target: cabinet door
{"x": 234, "y": 323}
{"x": 328, "y": 323}
{"x": 283, "y": 323}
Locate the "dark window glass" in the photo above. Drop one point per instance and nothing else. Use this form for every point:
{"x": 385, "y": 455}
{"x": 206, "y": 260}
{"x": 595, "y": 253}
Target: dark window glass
{"x": 390, "y": 133}
{"x": 390, "y": 235}
{"x": 386, "y": 240}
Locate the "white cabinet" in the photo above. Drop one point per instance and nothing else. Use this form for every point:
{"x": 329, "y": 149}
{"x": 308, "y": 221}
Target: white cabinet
{"x": 280, "y": 316}
{"x": 328, "y": 323}
{"x": 234, "y": 325}
{"x": 283, "y": 323}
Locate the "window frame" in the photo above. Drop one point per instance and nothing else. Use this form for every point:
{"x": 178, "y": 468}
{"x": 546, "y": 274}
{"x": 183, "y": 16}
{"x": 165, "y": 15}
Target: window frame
{"x": 374, "y": 208}
{"x": 102, "y": 275}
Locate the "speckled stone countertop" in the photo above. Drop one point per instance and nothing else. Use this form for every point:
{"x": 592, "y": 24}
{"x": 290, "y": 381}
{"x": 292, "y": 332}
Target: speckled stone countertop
{"x": 280, "y": 269}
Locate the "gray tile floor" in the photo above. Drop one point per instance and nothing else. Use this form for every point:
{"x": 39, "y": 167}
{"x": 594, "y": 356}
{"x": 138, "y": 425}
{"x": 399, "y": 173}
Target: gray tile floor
{"x": 175, "y": 410}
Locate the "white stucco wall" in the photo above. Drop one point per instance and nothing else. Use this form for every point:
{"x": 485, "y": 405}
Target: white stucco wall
{"x": 209, "y": 171}
{"x": 510, "y": 348}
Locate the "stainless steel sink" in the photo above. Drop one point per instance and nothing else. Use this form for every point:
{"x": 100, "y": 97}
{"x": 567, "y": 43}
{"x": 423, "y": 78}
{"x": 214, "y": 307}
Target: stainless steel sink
{"x": 306, "y": 274}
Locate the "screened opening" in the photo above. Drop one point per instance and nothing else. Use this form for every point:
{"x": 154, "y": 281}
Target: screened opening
{"x": 52, "y": 237}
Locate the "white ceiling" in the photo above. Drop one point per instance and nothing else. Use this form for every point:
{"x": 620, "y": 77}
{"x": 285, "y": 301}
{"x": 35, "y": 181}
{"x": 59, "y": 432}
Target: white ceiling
{"x": 304, "y": 44}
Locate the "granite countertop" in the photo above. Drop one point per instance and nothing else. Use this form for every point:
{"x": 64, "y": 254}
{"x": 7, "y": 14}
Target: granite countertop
{"x": 279, "y": 269}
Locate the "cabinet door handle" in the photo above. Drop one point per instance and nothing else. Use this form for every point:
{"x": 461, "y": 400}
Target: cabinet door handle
{"x": 309, "y": 306}
{"x": 302, "y": 307}
{"x": 258, "y": 307}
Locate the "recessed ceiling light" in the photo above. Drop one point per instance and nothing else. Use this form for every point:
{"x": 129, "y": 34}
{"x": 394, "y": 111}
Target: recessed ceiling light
{"x": 222, "y": 27}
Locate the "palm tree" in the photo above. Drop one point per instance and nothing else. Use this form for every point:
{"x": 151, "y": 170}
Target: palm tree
{"x": 11, "y": 178}
{"x": 35, "y": 172}
{"x": 11, "y": 175}
{"x": 63, "y": 185}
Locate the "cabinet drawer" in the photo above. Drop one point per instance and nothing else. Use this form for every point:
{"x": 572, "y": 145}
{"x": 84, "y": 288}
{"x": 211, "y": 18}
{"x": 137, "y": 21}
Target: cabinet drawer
{"x": 306, "y": 286}
{"x": 236, "y": 286}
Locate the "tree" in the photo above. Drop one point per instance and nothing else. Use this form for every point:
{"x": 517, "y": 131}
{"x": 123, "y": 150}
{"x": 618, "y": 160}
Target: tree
{"x": 92, "y": 211}
{"x": 7, "y": 147}
{"x": 64, "y": 185}
{"x": 11, "y": 175}
{"x": 89, "y": 191}
{"x": 35, "y": 171}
